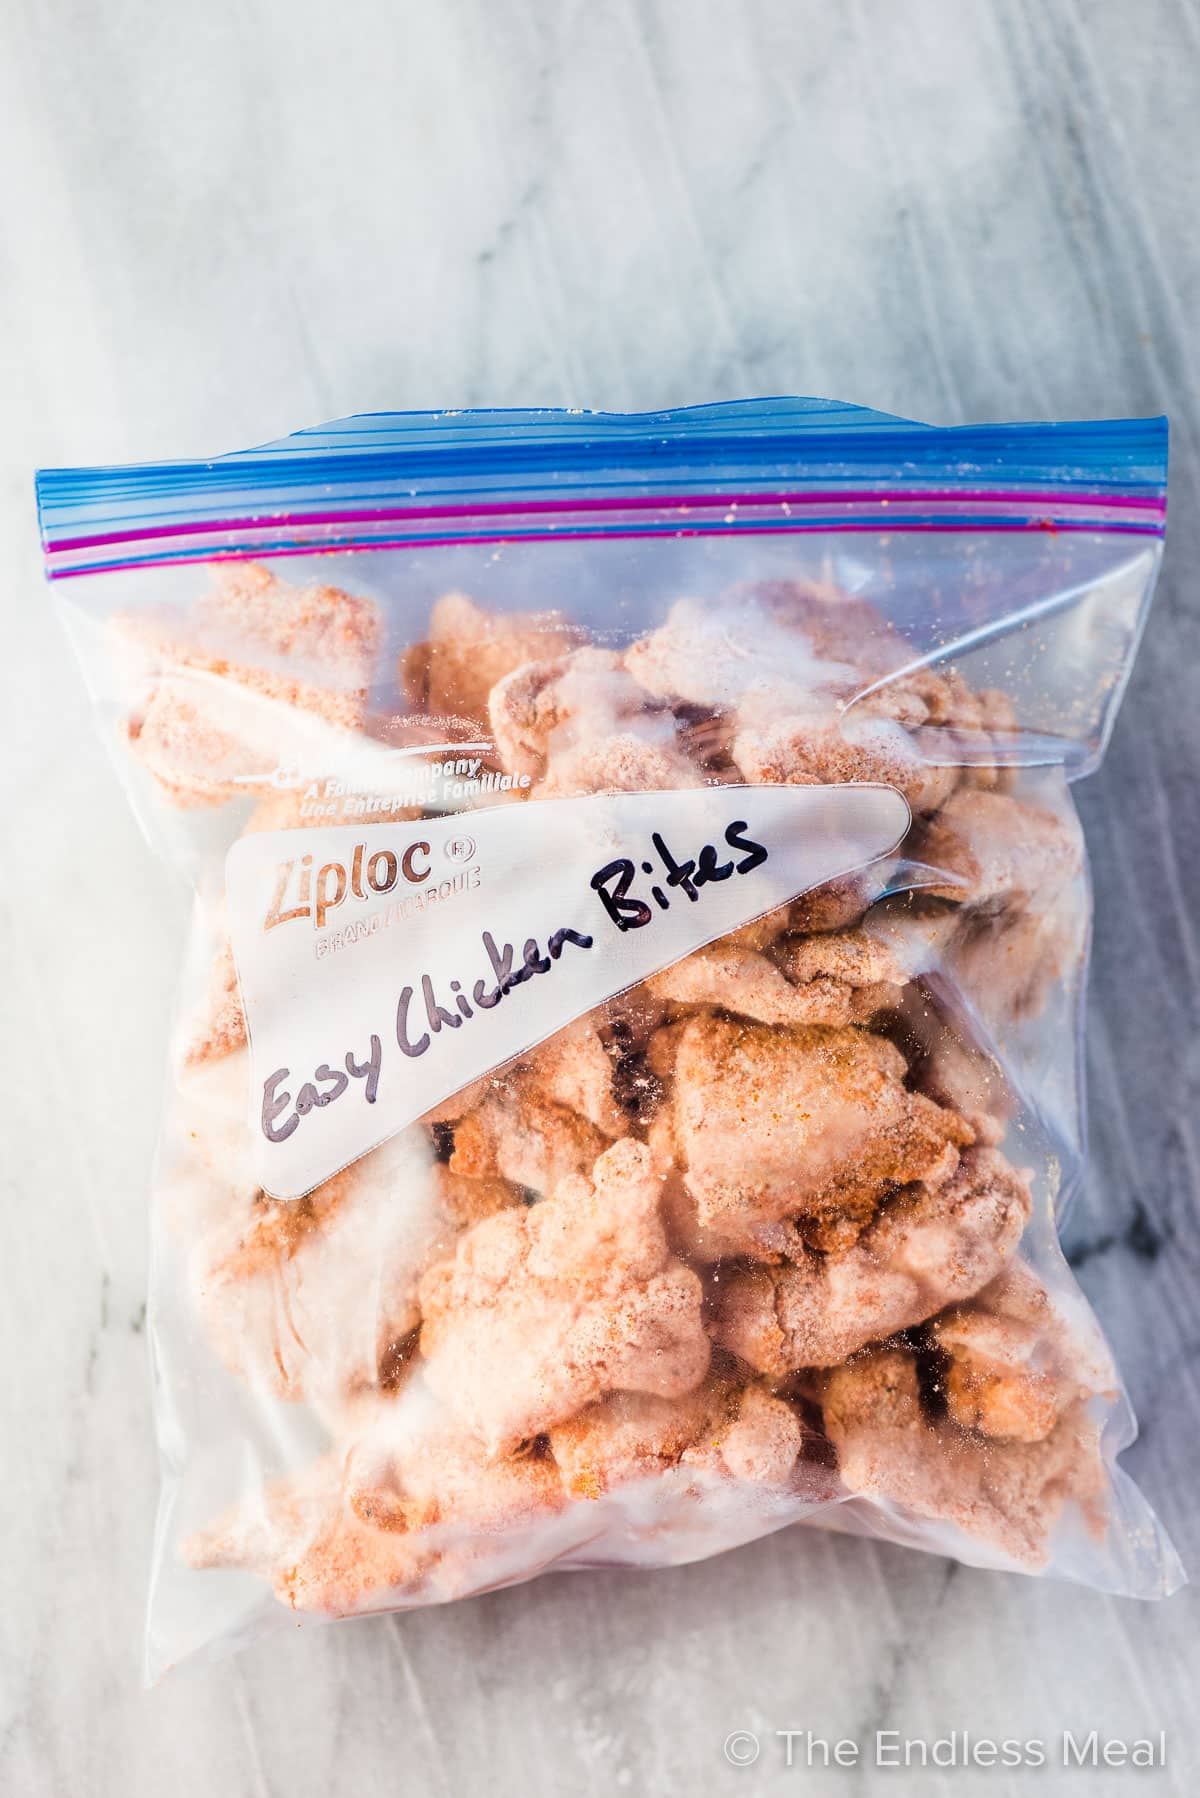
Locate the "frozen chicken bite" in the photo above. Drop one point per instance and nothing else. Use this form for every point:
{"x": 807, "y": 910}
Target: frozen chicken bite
{"x": 405, "y": 1506}
{"x": 1008, "y": 1495}
{"x": 219, "y": 1027}
{"x": 998, "y": 850}
{"x": 806, "y": 750}
{"x": 580, "y": 724}
{"x": 1014, "y": 960}
{"x": 313, "y": 1297}
{"x": 541, "y": 1312}
{"x": 520, "y": 1133}
{"x": 839, "y": 903}
{"x": 551, "y": 1112}
{"x": 929, "y": 1247}
{"x": 812, "y": 1123}
{"x": 737, "y": 1431}
{"x": 256, "y": 675}
{"x": 1011, "y": 1362}
{"x": 958, "y": 1073}
{"x": 578, "y": 1069}
{"x": 752, "y": 985}
{"x": 807, "y": 685}
{"x": 468, "y": 650}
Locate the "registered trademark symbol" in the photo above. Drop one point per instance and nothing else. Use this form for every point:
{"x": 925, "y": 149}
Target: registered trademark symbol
{"x": 460, "y": 849}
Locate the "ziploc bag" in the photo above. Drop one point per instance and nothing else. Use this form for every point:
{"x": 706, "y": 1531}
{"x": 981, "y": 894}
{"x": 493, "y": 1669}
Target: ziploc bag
{"x": 627, "y": 1062}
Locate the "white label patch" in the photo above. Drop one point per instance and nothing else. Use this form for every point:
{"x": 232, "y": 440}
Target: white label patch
{"x": 383, "y": 967}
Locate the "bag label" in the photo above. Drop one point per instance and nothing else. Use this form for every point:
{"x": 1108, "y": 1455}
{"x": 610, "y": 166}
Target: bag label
{"x": 383, "y": 967}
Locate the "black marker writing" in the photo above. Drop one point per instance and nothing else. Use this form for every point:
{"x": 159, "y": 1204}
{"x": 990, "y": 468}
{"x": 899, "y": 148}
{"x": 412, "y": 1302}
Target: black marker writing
{"x": 688, "y": 875}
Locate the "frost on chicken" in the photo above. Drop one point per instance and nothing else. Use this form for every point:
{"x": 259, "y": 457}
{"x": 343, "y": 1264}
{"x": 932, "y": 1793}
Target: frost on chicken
{"x": 740, "y": 1432}
{"x": 541, "y": 1312}
{"x": 405, "y": 1505}
{"x": 467, "y": 650}
{"x": 1006, "y": 1494}
{"x": 807, "y": 686}
{"x": 927, "y": 1248}
{"x": 806, "y": 1126}
{"x": 581, "y": 724}
{"x": 256, "y": 676}
{"x": 316, "y": 1297}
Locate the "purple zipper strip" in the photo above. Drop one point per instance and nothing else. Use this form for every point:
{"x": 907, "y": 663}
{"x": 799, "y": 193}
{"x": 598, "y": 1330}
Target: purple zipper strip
{"x": 1155, "y": 503}
{"x": 1049, "y": 526}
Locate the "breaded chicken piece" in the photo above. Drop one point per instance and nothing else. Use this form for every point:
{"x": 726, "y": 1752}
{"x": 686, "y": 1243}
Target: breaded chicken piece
{"x": 219, "y": 1026}
{"x": 744, "y": 983}
{"x": 256, "y": 673}
{"x": 576, "y": 1068}
{"x": 405, "y": 1505}
{"x": 1009, "y": 1495}
{"x": 580, "y": 724}
{"x": 740, "y": 1432}
{"x": 316, "y": 1297}
{"x": 541, "y": 1312}
{"x": 1017, "y": 926}
{"x": 839, "y": 903}
{"x": 813, "y": 689}
{"x": 963, "y": 1077}
{"x": 1013, "y": 960}
{"x": 548, "y": 1113}
{"x": 998, "y": 850}
{"x": 1012, "y": 1363}
{"x": 770, "y": 1124}
{"x": 854, "y": 958}
{"x": 856, "y": 972}
{"x": 521, "y": 1134}
{"x": 467, "y": 651}
{"x": 202, "y": 747}
{"x": 762, "y": 932}
{"x": 213, "y": 1122}
{"x": 927, "y": 1248}
{"x": 815, "y": 750}
{"x": 749, "y": 985}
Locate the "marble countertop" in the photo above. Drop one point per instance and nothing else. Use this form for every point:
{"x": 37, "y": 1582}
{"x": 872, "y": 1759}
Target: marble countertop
{"x": 224, "y": 221}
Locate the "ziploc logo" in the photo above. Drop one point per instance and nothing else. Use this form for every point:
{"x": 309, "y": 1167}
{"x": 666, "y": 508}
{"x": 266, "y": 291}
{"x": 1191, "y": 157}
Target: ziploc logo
{"x": 304, "y": 892}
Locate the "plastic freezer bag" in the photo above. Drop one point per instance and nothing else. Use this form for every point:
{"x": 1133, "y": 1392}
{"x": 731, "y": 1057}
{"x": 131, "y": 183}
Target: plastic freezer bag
{"x": 626, "y": 1065}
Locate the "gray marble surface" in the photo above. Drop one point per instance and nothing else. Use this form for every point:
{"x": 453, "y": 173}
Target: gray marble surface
{"x": 221, "y": 221}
